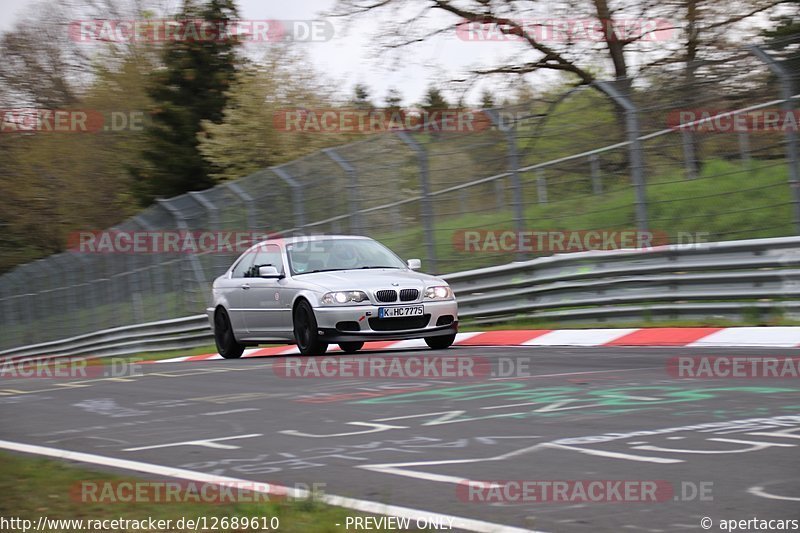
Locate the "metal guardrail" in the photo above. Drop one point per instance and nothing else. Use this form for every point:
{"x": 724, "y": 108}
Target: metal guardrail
{"x": 732, "y": 279}
{"x": 174, "y": 334}
{"x": 752, "y": 279}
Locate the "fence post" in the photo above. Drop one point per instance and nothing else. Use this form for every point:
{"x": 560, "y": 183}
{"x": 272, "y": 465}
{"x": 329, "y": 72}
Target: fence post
{"x": 427, "y": 206}
{"x": 248, "y": 202}
{"x": 69, "y": 274}
{"x": 541, "y": 186}
{"x": 219, "y": 263}
{"x": 356, "y": 225}
{"x": 29, "y": 302}
{"x": 597, "y": 179}
{"x": 297, "y": 196}
{"x": 635, "y": 150}
{"x": 744, "y": 147}
{"x": 194, "y": 262}
{"x": 787, "y": 105}
{"x": 12, "y": 289}
{"x": 517, "y": 199}
{"x": 689, "y": 154}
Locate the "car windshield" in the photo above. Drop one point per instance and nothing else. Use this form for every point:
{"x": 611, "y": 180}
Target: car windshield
{"x": 340, "y": 254}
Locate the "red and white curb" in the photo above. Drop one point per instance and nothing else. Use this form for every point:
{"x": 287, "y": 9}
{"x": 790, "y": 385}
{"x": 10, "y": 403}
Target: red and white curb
{"x": 764, "y": 337}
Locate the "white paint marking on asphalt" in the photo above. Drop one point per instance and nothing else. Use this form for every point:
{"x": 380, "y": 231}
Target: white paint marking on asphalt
{"x": 756, "y": 446}
{"x": 364, "y": 506}
{"x": 614, "y": 455}
{"x": 207, "y": 443}
{"x": 759, "y": 491}
{"x": 242, "y": 410}
{"x": 399, "y": 469}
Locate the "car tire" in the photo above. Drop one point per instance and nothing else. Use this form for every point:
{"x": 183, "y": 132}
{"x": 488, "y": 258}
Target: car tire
{"x": 224, "y": 337}
{"x": 440, "y": 342}
{"x": 351, "y": 347}
{"x": 305, "y": 330}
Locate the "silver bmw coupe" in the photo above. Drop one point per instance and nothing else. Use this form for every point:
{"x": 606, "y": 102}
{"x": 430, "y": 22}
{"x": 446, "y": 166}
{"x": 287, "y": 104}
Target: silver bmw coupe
{"x": 322, "y": 290}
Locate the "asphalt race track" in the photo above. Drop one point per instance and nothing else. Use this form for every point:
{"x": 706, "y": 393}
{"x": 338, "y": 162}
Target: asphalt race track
{"x": 413, "y": 442}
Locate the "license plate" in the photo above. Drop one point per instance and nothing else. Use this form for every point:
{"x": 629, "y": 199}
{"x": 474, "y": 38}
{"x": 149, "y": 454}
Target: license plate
{"x": 400, "y": 311}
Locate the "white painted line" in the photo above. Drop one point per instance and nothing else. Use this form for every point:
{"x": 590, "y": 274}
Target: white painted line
{"x": 364, "y": 506}
{"x": 207, "y": 443}
{"x": 242, "y": 410}
{"x": 759, "y": 491}
{"x": 578, "y": 337}
{"x": 781, "y": 337}
{"x": 614, "y": 455}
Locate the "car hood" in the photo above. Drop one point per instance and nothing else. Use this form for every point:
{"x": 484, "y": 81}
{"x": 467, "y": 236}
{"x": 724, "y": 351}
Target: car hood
{"x": 369, "y": 280}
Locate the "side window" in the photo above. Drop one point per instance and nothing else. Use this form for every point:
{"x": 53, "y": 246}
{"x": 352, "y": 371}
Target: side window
{"x": 242, "y": 268}
{"x": 269, "y": 254}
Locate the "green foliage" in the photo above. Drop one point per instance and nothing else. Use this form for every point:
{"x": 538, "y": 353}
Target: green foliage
{"x": 434, "y": 99}
{"x": 191, "y": 88}
{"x": 252, "y": 135}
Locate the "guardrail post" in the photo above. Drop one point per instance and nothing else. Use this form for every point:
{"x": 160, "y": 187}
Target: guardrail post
{"x": 517, "y": 199}
{"x": 635, "y": 150}
{"x": 194, "y": 262}
{"x": 597, "y": 179}
{"x": 356, "y": 225}
{"x": 427, "y": 206}
{"x": 297, "y": 196}
{"x": 787, "y": 105}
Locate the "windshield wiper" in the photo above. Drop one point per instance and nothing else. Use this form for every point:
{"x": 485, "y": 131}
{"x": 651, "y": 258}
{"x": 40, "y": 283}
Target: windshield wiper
{"x": 321, "y": 270}
{"x": 379, "y": 267}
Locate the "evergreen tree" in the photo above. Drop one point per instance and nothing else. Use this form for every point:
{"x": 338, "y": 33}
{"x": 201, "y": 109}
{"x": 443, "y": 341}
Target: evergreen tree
{"x": 189, "y": 88}
{"x": 487, "y": 100}
{"x": 393, "y": 100}
{"x": 434, "y": 100}
{"x": 361, "y": 97}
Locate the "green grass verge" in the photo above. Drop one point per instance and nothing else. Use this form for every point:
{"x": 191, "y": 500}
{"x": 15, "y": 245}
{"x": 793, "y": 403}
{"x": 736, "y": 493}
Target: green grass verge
{"x": 35, "y": 487}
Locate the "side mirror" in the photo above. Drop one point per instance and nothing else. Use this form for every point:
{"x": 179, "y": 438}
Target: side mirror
{"x": 414, "y": 264}
{"x": 268, "y": 271}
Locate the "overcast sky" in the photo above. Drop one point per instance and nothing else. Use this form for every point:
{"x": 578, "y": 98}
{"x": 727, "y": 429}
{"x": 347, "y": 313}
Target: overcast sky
{"x": 350, "y": 57}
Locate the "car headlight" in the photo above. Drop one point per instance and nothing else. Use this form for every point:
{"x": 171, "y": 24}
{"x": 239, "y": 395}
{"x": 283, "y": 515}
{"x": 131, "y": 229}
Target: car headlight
{"x": 439, "y": 292}
{"x": 344, "y": 297}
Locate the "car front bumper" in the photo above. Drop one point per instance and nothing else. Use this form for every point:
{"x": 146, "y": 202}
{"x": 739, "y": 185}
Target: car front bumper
{"x": 361, "y": 323}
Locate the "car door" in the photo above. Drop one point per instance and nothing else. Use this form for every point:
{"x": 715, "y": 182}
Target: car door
{"x": 234, "y": 289}
{"x": 266, "y": 299}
